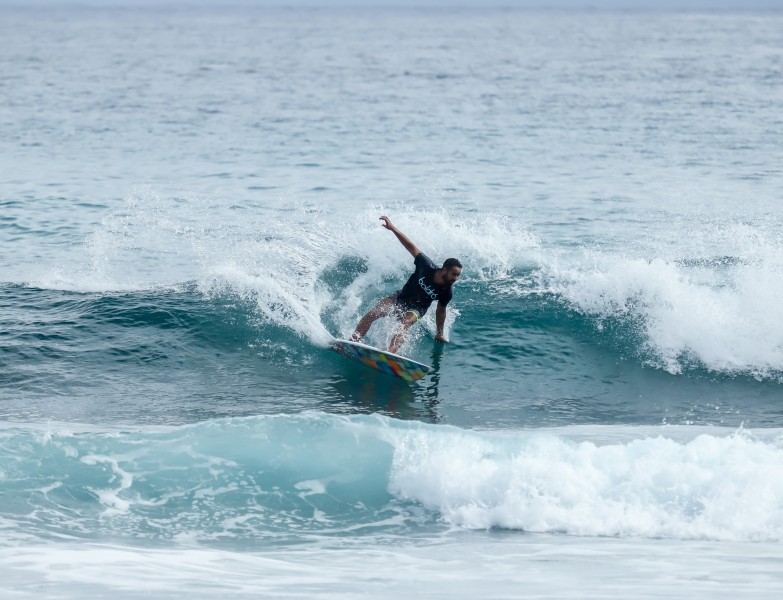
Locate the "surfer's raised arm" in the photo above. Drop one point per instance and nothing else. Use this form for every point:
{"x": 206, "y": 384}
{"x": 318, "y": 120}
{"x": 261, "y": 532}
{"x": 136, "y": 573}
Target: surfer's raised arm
{"x": 404, "y": 239}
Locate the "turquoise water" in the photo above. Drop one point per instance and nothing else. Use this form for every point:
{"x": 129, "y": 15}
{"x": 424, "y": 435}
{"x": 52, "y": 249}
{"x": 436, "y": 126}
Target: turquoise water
{"x": 189, "y": 208}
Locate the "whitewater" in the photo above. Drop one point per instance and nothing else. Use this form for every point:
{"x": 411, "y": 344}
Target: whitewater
{"x": 189, "y": 207}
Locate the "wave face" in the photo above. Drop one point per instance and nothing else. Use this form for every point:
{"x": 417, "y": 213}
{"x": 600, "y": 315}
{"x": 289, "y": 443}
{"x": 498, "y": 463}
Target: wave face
{"x": 284, "y": 479}
{"x": 545, "y": 334}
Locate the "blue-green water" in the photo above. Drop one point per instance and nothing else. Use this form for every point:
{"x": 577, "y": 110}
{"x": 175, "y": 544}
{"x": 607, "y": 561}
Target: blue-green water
{"x": 189, "y": 208}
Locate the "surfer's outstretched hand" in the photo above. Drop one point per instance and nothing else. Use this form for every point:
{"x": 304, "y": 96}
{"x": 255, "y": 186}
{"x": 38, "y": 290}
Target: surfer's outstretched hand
{"x": 387, "y": 223}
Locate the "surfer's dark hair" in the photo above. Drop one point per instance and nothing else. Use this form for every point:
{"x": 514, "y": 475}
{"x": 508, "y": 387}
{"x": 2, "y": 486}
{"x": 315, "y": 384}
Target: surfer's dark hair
{"x": 451, "y": 262}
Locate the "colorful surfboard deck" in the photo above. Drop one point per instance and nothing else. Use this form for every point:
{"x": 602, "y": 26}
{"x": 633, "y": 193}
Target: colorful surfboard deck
{"x": 380, "y": 360}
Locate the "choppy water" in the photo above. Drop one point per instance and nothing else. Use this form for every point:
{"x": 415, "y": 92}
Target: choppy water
{"x": 189, "y": 210}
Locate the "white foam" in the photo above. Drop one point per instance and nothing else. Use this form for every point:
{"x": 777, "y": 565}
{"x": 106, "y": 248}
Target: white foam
{"x": 111, "y": 497}
{"x": 724, "y": 313}
{"x": 479, "y": 565}
{"x": 711, "y": 487}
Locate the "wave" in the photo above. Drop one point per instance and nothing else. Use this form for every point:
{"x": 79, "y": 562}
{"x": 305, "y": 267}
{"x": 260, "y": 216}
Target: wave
{"x": 76, "y": 321}
{"x": 76, "y": 355}
{"x": 292, "y": 478}
{"x": 677, "y": 305}
{"x": 298, "y": 270}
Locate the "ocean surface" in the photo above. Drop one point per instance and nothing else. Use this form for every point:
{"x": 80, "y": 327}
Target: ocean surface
{"x": 189, "y": 204}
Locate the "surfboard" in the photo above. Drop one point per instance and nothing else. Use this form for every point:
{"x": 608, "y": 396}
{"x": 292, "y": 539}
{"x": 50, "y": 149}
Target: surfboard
{"x": 380, "y": 360}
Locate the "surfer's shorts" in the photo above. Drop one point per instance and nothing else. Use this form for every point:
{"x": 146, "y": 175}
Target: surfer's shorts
{"x": 404, "y": 308}
{"x": 413, "y": 312}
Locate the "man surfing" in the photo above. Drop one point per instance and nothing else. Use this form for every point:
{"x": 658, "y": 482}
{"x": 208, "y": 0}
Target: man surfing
{"x": 427, "y": 284}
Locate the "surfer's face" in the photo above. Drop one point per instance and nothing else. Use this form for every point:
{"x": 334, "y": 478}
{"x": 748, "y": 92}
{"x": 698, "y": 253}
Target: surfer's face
{"x": 452, "y": 275}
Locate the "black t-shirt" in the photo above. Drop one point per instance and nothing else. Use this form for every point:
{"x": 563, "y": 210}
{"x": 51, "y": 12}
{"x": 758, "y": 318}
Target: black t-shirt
{"x": 421, "y": 290}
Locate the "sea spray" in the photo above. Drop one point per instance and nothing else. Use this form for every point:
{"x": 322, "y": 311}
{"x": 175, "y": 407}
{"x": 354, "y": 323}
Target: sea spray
{"x": 720, "y": 313}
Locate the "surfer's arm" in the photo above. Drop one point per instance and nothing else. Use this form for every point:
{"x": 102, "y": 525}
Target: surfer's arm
{"x": 404, "y": 239}
{"x": 440, "y": 323}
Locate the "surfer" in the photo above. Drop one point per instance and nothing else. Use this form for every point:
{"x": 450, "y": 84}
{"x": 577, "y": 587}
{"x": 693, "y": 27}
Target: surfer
{"x": 427, "y": 284}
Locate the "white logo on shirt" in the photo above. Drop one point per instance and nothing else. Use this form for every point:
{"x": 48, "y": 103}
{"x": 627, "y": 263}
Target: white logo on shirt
{"x": 427, "y": 289}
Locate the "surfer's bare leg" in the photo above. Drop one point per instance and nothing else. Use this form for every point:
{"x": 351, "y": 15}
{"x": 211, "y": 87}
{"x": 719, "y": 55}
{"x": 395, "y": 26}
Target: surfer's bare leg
{"x": 406, "y": 322}
{"x": 384, "y": 308}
